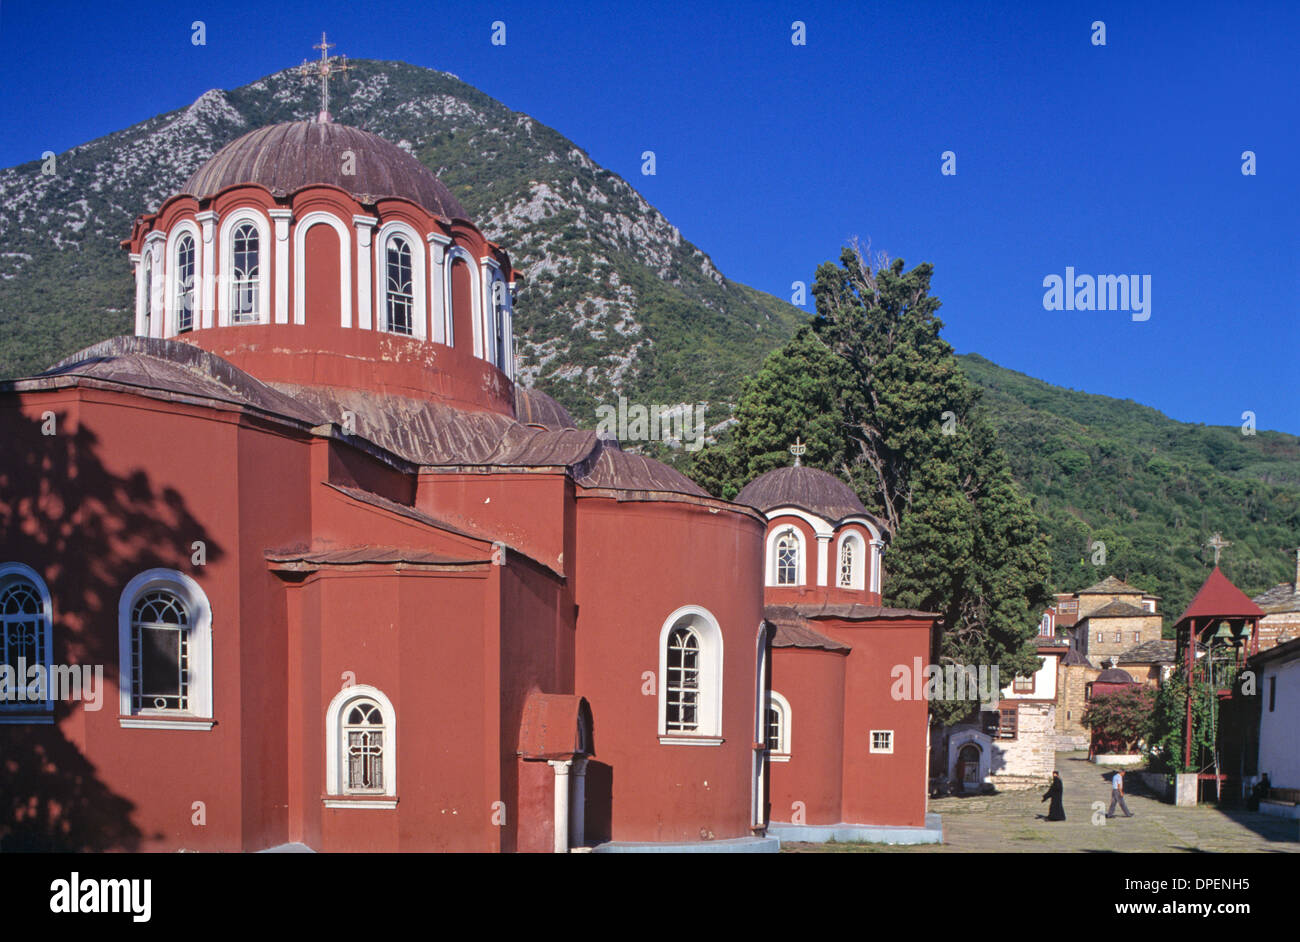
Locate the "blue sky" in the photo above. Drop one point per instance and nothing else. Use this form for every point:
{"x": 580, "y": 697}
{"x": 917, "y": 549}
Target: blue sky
{"x": 1122, "y": 159}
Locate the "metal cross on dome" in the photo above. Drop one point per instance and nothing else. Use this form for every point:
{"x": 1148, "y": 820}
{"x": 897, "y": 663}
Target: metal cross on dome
{"x": 798, "y": 449}
{"x": 1218, "y": 543}
{"x": 322, "y": 69}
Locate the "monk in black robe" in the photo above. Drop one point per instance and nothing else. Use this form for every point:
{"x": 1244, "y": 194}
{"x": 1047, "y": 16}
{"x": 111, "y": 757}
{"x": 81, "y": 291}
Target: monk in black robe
{"x": 1055, "y": 791}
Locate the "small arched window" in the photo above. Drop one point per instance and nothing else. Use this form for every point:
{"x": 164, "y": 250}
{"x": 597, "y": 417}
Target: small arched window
{"x": 24, "y": 640}
{"x": 787, "y": 558}
{"x": 360, "y": 749}
{"x": 245, "y": 274}
{"x": 499, "y": 292}
{"x": 400, "y": 291}
{"x": 184, "y": 283}
{"x": 165, "y": 652}
{"x": 690, "y": 678}
{"x": 778, "y": 727}
{"x": 846, "y": 564}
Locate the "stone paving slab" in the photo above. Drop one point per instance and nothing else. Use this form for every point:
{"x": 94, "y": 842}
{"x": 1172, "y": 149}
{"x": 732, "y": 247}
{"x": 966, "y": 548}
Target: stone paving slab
{"x": 1010, "y": 822}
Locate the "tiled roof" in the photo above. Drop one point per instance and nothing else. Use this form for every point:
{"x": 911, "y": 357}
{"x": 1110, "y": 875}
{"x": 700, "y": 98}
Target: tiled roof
{"x": 858, "y": 612}
{"x": 1219, "y": 597}
{"x": 794, "y": 631}
{"x": 1074, "y": 658}
{"x": 1112, "y": 586}
{"x": 1283, "y": 597}
{"x": 1149, "y": 652}
{"x": 806, "y": 488}
{"x": 1118, "y": 609}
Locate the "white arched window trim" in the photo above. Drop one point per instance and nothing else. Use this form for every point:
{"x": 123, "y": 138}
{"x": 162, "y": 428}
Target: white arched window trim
{"x": 41, "y": 712}
{"x": 419, "y": 281}
{"x": 199, "y": 716}
{"x": 709, "y": 706}
{"x": 226, "y": 247}
{"x": 476, "y": 311}
{"x": 335, "y": 763}
{"x": 857, "y": 578}
{"x": 500, "y": 335}
{"x": 773, "y": 537}
{"x": 782, "y": 706}
{"x": 172, "y": 269}
{"x": 321, "y": 218}
{"x": 151, "y": 288}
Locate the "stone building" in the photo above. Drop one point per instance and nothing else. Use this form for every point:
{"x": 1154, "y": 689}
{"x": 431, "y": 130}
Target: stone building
{"x": 1281, "y": 605}
{"x": 1149, "y": 662}
{"x": 1074, "y": 673}
{"x": 1114, "y": 617}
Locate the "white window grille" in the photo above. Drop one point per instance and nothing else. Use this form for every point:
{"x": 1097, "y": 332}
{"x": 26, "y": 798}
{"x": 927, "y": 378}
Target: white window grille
{"x": 245, "y": 281}
{"x": 160, "y": 653}
{"x": 401, "y": 292}
{"x": 363, "y": 732}
{"x": 882, "y": 740}
{"x": 846, "y": 564}
{"x": 787, "y": 559}
{"x": 185, "y": 284}
{"x": 683, "y": 680}
{"x": 23, "y": 632}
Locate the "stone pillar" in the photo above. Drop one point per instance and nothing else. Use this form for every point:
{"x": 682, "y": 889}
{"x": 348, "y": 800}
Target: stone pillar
{"x": 364, "y": 225}
{"x": 823, "y": 554}
{"x": 578, "y": 812}
{"x": 561, "y": 767}
{"x": 438, "y": 312}
{"x": 207, "y": 273}
{"x": 281, "y": 218}
{"x": 1185, "y": 789}
{"x": 874, "y": 584}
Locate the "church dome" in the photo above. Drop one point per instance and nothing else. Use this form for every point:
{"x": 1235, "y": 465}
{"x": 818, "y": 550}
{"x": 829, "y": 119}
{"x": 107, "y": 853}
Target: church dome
{"x": 806, "y": 488}
{"x": 286, "y": 157}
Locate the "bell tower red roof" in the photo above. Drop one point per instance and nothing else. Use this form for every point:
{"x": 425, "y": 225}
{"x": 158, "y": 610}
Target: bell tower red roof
{"x": 1219, "y": 597}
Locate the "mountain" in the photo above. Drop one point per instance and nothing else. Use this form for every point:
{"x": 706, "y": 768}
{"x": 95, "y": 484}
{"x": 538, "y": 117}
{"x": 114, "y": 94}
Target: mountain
{"x": 1149, "y": 487}
{"x": 614, "y": 300}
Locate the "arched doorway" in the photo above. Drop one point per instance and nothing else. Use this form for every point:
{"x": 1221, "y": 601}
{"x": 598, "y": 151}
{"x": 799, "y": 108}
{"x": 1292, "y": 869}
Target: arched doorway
{"x": 967, "y": 774}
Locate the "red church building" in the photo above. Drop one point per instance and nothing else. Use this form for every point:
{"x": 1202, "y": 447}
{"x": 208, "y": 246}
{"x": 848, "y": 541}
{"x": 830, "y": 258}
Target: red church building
{"x": 351, "y": 588}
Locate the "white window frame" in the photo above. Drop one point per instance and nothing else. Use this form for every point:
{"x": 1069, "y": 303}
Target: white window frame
{"x": 454, "y": 252}
{"x": 336, "y": 771}
{"x": 199, "y": 714}
{"x": 419, "y": 279}
{"x": 264, "y": 256}
{"x": 801, "y": 564}
{"x": 782, "y": 707}
{"x": 709, "y": 705}
{"x": 871, "y": 740}
{"x": 857, "y": 575}
{"x": 321, "y": 218}
{"x": 40, "y": 713}
{"x": 172, "y": 309}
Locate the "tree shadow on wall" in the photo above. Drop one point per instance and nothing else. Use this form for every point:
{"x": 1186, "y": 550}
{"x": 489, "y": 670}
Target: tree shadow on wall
{"x": 87, "y": 530}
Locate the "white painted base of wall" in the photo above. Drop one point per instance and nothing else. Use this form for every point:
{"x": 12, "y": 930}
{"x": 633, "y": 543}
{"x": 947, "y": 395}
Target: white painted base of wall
{"x": 1117, "y": 760}
{"x": 1280, "y": 809}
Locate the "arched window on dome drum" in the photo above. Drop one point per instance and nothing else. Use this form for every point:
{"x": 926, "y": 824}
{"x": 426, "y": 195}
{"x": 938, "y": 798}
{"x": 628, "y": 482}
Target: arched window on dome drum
{"x": 184, "y": 284}
{"x": 787, "y": 559}
{"x": 846, "y": 564}
{"x": 683, "y": 681}
{"x": 363, "y": 745}
{"x": 499, "y": 323}
{"x": 400, "y": 291}
{"x": 245, "y": 274}
{"x": 160, "y": 652}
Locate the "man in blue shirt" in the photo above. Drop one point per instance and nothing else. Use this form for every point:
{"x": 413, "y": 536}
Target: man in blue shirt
{"x": 1117, "y": 795}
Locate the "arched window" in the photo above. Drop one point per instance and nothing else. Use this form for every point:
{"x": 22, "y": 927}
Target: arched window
{"x": 787, "y": 559}
{"x": 360, "y": 749}
{"x": 499, "y": 296}
{"x": 165, "y": 652}
{"x": 683, "y": 681}
{"x": 690, "y": 678}
{"x": 778, "y": 728}
{"x": 24, "y": 643}
{"x": 184, "y": 283}
{"x": 400, "y": 292}
{"x": 245, "y": 275}
{"x": 852, "y": 559}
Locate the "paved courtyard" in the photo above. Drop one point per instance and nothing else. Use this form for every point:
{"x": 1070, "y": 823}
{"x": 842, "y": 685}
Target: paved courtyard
{"x": 1014, "y": 821}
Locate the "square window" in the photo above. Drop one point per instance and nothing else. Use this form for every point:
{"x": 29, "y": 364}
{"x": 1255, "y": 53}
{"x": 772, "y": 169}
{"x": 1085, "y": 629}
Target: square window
{"x": 882, "y": 740}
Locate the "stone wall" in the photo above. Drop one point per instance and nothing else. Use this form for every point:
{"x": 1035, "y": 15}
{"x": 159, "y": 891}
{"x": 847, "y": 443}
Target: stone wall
{"x": 1071, "y": 686}
{"x": 1028, "y": 760}
{"x": 1097, "y": 637}
{"x": 1275, "y": 629}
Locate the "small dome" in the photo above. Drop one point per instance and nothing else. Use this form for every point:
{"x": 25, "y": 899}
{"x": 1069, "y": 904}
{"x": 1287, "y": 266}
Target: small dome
{"x": 806, "y": 488}
{"x": 534, "y": 407}
{"x": 1114, "y": 675}
{"x": 286, "y": 157}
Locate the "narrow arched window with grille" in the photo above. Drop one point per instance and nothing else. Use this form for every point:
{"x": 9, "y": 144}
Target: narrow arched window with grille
{"x": 499, "y": 323}
{"x": 148, "y": 293}
{"x": 363, "y": 747}
{"x": 160, "y": 652}
{"x": 846, "y": 564}
{"x": 787, "y": 559}
{"x": 683, "y": 702}
{"x": 400, "y": 291}
{"x": 245, "y": 274}
{"x": 184, "y": 284}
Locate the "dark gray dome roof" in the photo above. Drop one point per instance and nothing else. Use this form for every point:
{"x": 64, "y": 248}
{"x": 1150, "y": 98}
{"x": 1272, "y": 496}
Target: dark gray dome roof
{"x": 806, "y": 488}
{"x": 534, "y": 407}
{"x": 1114, "y": 675}
{"x": 286, "y": 157}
